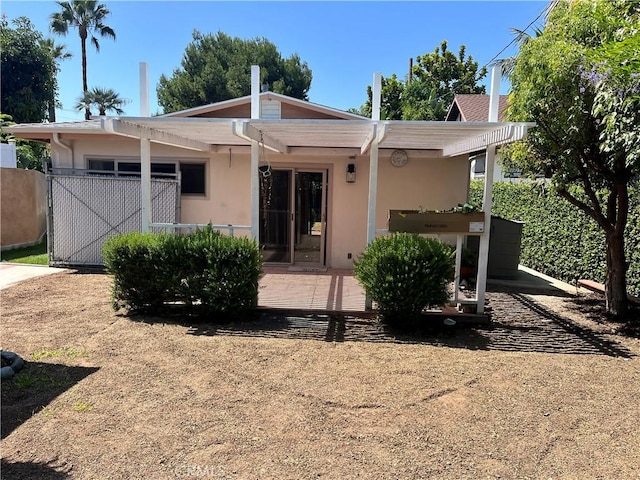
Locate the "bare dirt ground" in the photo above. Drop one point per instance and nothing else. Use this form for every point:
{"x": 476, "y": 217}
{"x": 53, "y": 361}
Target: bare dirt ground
{"x": 548, "y": 391}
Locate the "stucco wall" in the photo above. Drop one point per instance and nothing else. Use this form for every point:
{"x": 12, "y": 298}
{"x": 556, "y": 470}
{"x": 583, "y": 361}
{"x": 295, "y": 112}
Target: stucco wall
{"x": 425, "y": 181}
{"x": 23, "y": 207}
{"x": 433, "y": 183}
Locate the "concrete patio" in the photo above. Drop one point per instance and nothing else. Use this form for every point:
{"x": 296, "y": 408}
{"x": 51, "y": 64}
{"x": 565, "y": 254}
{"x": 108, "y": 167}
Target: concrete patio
{"x": 333, "y": 290}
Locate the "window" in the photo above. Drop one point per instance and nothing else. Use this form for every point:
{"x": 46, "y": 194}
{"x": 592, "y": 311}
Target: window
{"x": 161, "y": 168}
{"x": 102, "y": 165}
{"x": 193, "y": 174}
{"x": 193, "y": 178}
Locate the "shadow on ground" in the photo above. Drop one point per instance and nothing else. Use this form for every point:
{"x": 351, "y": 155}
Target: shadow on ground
{"x": 30, "y": 470}
{"x": 519, "y": 324}
{"x": 32, "y": 389}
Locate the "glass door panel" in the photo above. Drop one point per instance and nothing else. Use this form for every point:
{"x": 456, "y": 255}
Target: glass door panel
{"x": 275, "y": 215}
{"x": 309, "y": 218}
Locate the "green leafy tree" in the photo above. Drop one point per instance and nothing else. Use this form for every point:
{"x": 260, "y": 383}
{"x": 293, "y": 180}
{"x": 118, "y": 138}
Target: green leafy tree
{"x": 391, "y": 92}
{"x": 435, "y": 79}
{"x": 104, "y": 99}
{"x": 579, "y": 81}
{"x": 88, "y": 17}
{"x": 448, "y": 74}
{"x": 218, "y": 67}
{"x": 28, "y": 71}
{"x": 421, "y": 102}
{"x": 59, "y": 53}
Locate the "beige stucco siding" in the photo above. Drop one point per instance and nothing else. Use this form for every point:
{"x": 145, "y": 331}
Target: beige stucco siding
{"x": 429, "y": 183}
{"x": 425, "y": 181}
{"x": 228, "y": 198}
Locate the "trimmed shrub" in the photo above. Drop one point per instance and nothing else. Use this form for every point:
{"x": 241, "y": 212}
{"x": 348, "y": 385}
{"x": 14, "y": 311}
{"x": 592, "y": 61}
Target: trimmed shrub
{"x": 404, "y": 273}
{"x": 137, "y": 263}
{"x": 222, "y": 272}
{"x": 210, "y": 272}
{"x": 558, "y": 239}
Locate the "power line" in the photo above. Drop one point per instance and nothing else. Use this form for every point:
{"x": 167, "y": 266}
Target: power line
{"x": 545, "y": 9}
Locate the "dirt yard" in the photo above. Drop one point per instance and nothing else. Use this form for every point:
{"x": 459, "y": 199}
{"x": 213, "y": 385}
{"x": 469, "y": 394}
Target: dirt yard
{"x": 547, "y": 392}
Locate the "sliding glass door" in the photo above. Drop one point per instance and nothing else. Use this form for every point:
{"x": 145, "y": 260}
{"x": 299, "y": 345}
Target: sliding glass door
{"x": 293, "y": 205}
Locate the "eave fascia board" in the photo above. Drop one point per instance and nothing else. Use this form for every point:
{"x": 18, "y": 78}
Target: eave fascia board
{"x": 130, "y": 129}
{"x": 509, "y": 133}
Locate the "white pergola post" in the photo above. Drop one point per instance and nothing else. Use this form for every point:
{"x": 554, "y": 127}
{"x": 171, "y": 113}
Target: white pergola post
{"x": 145, "y": 153}
{"x": 373, "y": 168}
{"x": 483, "y": 254}
{"x": 145, "y": 183}
{"x": 255, "y": 155}
{"x": 373, "y": 160}
{"x": 144, "y": 89}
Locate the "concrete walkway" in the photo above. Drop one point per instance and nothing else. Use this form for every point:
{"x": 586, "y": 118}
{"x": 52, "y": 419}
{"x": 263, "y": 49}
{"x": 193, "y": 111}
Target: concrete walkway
{"x": 12, "y": 273}
{"x": 531, "y": 279}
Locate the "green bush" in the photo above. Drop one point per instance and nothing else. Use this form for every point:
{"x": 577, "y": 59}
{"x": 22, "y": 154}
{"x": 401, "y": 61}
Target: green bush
{"x": 136, "y": 262}
{"x": 210, "y": 272}
{"x": 558, "y": 239}
{"x": 222, "y": 272}
{"x": 404, "y": 273}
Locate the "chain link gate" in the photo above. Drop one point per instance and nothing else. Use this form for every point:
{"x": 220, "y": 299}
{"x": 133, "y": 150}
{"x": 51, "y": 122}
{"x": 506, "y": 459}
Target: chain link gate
{"x": 85, "y": 210}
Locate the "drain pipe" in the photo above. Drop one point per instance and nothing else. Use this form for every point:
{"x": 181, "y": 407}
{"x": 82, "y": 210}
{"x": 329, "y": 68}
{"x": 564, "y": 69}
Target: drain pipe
{"x": 59, "y": 143}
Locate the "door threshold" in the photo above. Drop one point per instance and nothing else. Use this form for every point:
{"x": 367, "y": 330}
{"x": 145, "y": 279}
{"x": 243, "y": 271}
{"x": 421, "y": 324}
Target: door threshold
{"x": 302, "y": 268}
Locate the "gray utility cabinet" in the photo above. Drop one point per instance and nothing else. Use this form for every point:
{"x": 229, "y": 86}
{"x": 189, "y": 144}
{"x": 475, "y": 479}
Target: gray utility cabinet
{"x": 504, "y": 247}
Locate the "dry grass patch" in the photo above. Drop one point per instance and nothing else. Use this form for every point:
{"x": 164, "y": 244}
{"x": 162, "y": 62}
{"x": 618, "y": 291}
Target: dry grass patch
{"x": 159, "y": 399}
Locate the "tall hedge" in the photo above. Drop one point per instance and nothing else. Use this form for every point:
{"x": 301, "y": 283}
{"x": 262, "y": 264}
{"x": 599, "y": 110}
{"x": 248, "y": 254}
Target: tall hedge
{"x": 557, "y": 238}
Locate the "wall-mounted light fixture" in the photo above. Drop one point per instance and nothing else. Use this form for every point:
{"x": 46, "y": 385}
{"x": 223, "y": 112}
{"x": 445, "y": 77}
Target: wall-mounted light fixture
{"x": 351, "y": 172}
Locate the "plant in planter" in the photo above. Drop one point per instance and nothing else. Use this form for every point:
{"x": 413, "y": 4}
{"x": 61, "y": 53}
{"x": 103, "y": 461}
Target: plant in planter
{"x": 465, "y": 218}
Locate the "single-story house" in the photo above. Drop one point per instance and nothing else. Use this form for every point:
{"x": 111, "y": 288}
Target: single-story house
{"x": 312, "y": 183}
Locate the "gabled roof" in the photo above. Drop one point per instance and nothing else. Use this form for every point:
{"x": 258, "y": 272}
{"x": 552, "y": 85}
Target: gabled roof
{"x": 474, "y": 108}
{"x": 310, "y": 125}
{"x": 216, "y": 110}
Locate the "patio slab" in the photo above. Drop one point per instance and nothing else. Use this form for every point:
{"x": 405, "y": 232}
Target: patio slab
{"x": 334, "y": 290}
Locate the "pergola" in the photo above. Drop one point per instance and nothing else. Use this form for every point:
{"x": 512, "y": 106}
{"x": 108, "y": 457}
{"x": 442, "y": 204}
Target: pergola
{"x": 288, "y": 136}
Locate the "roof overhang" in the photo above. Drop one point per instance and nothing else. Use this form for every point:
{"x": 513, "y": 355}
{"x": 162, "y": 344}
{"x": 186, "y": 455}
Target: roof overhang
{"x": 206, "y": 134}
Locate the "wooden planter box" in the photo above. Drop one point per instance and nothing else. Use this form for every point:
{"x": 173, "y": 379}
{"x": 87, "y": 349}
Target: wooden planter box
{"x": 413, "y": 221}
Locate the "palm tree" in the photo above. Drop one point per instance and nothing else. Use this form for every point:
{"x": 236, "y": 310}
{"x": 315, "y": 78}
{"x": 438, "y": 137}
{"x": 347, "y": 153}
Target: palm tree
{"x": 522, "y": 37}
{"x": 58, "y": 52}
{"x": 105, "y": 99}
{"x": 87, "y": 16}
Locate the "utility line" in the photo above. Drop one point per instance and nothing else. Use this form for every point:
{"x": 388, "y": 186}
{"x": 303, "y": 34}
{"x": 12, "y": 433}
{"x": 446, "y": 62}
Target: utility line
{"x": 545, "y": 9}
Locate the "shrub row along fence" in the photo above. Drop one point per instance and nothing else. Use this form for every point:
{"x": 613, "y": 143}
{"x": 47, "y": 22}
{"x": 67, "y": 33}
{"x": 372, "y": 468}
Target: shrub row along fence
{"x": 557, "y": 238}
{"x": 209, "y": 272}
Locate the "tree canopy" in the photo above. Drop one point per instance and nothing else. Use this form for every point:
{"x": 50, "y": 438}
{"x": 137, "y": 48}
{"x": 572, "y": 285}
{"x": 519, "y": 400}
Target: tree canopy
{"x": 579, "y": 80}
{"x": 435, "y": 79}
{"x": 28, "y": 74}
{"x": 218, "y": 67}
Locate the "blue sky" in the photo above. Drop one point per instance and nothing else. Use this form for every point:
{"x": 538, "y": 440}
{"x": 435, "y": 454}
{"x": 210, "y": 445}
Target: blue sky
{"x": 343, "y": 43}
